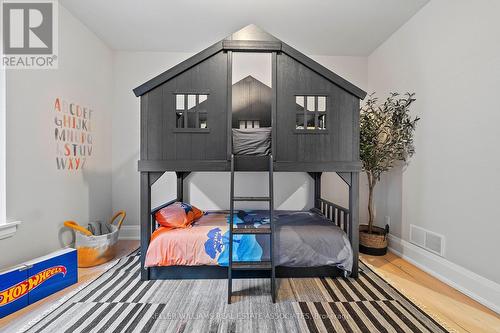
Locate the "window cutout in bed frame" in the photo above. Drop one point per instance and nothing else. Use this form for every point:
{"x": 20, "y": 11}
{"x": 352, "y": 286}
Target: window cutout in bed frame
{"x": 310, "y": 113}
{"x": 190, "y": 111}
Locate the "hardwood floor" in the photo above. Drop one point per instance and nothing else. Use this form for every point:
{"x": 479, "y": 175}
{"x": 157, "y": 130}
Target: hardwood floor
{"x": 458, "y": 311}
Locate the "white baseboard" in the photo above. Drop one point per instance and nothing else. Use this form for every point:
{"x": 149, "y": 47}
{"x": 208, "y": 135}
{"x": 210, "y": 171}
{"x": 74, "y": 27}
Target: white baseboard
{"x": 130, "y": 232}
{"x": 469, "y": 283}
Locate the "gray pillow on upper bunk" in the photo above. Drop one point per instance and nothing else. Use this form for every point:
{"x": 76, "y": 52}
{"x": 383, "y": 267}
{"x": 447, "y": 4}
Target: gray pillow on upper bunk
{"x": 252, "y": 141}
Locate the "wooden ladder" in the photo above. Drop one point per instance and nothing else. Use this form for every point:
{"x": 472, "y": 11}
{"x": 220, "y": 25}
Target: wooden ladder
{"x": 252, "y": 265}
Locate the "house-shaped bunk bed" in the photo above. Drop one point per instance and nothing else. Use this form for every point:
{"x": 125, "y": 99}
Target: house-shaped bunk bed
{"x": 194, "y": 119}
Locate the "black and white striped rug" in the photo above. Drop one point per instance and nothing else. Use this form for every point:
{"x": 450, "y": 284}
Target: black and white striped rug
{"x": 118, "y": 301}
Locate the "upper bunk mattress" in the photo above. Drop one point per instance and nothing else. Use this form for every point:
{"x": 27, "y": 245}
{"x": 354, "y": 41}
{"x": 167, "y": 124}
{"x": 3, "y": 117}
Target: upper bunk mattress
{"x": 303, "y": 239}
{"x": 252, "y": 141}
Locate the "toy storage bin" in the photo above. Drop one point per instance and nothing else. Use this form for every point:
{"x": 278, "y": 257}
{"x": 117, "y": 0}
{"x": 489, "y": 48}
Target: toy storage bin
{"x": 95, "y": 250}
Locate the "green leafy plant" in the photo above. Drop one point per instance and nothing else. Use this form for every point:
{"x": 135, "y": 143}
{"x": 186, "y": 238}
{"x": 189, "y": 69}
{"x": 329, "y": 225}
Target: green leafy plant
{"x": 386, "y": 137}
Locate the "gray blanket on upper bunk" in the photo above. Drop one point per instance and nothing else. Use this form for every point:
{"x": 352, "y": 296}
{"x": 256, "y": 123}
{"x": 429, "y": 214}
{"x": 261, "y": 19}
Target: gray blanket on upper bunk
{"x": 252, "y": 141}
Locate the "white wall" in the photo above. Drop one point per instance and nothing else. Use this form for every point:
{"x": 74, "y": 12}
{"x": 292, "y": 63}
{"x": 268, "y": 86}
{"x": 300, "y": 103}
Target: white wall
{"x": 449, "y": 54}
{"x": 208, "y": 191}
{"x": 37, "y": 193}
{"x": 3, "y": 118}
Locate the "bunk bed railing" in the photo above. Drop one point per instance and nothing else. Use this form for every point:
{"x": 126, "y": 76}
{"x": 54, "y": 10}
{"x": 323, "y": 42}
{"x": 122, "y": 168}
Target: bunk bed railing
{"x": 335, "y": 213}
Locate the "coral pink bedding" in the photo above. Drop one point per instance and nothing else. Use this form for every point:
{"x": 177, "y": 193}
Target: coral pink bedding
{"x": 186, "y": 246}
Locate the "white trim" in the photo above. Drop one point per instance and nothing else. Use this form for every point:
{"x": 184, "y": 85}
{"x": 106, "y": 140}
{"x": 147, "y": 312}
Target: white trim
{"x": 8, "y": 229}
{"x": 469, "y": 283}
{"x": 3, "y": 135}
{"x": 130, "y": 232}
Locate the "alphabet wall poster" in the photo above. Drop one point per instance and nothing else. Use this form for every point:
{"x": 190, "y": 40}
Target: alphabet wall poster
{"x": 72, "y": 134}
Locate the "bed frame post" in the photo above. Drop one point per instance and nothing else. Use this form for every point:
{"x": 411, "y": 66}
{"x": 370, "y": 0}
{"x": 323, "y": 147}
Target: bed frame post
{"x": 181, "y": 176}
{"x": 316, "y": 176}
{"x": 229, "y": 104}
{"x": 274, "y": 101}
{"x": 146, "y": 222}
{"x": 180, "y": 186}
{"x": 317, "y": 190}
{"x": 354, "y": 220}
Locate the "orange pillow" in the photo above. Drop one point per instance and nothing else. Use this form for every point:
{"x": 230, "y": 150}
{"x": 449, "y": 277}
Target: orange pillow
{"x": 178, "y": 215}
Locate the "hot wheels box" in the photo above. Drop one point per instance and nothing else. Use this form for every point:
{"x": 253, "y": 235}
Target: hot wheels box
{"x": 36, "y": 279}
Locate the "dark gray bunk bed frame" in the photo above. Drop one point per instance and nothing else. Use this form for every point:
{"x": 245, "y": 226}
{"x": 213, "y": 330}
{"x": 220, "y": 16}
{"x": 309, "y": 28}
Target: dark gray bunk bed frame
{"x": 164, "y": 147}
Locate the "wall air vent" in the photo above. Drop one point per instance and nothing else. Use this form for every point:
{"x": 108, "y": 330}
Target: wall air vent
{"x": 427, "y": 240}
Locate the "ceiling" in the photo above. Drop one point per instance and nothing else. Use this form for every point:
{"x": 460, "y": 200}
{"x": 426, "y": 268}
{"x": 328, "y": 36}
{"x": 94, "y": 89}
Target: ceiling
{"x": 319, "y": 27}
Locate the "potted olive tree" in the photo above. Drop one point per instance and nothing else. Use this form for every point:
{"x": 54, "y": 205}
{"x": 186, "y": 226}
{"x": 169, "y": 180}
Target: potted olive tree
{"x": 386, "y": 137}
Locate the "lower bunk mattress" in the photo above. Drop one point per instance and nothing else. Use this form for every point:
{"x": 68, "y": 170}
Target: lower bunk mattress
{"x": 302, "y": 239}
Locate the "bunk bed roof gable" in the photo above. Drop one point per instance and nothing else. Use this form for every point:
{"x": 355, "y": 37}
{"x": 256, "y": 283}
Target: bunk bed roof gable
{"x": 252, "y": 32}
{"x": 250, "y": 39}
{"x": 250, "y": 78}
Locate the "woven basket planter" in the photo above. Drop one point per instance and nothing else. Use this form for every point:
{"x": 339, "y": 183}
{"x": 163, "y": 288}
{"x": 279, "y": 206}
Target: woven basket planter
{"x": 374, "y": 244}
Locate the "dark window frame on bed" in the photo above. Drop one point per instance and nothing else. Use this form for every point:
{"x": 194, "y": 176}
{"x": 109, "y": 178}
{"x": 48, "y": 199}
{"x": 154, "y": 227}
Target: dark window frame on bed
{"x": 315, "y": 108}
{"x": 184, "y": 112}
